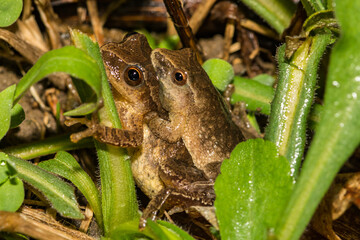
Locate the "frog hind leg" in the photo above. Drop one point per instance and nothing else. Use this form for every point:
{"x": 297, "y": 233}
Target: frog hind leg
{"x": 195, "y": 194}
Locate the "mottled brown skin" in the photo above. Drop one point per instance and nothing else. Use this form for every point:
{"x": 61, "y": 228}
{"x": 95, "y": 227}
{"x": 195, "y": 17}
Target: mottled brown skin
{"x": 197, "y": 112}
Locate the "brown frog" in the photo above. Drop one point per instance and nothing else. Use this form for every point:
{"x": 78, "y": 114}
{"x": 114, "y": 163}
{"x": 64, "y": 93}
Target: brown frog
{"x": 164, "y": 171}
{"x": 197, "y": 112}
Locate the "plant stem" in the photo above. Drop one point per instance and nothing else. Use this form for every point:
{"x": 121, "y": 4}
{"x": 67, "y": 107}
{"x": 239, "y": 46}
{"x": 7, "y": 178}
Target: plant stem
{"x": 293, "y": 99}
{"x": 47, "y": 146}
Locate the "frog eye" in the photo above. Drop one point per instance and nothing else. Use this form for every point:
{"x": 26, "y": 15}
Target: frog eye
{"x": 133, "y": 76}
{"x": 179, "y": 77}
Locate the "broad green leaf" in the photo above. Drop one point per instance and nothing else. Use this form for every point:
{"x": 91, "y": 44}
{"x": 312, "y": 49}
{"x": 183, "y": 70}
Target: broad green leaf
{"x": 65, "y": 165}
{"x": 9, "y": 11}
{"x": 11, "y": 194}
{"x": 11, "y": 187}
{"x": 252, "y": 190}
{"x": 220, "y": 72}
{"x": 337, "y": 133}
{"x": 17, "y": 116}
{"x": 60, "y": 194}
{"x": 67, "y": 59}
{"x": 6, "y": 99}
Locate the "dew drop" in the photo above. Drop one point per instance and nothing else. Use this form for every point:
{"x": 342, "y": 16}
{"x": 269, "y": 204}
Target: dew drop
{"x": 336, "y": 84}
{"x": 354, "y": 95}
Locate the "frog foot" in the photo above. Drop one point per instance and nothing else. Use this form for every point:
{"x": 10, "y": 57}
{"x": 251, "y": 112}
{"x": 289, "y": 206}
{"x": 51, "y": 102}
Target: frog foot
{"x": 90, "y": 131}
{"x": 154, "y": 207}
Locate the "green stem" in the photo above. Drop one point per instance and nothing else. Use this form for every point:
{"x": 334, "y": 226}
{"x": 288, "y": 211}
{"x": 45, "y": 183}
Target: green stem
{"x": 257, "y": 96}
{"x": 47, "y": 146}
{"x": 293, "y": 99}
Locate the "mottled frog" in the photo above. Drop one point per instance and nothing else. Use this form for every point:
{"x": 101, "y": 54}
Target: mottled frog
{"x": 197, "y": 112}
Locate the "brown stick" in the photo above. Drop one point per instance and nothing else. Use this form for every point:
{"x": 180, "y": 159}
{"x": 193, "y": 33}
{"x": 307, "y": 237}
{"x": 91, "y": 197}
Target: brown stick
{"x": 200, "y": 14}
{"x": 20, "y": 223}
{"x": 181, "y": 23}
{"x": 95, "y": 21}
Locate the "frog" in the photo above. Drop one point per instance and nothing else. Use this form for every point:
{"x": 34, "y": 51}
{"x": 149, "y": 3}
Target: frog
{"x": 197, "y": 112}
{"x": 164, "y": 171}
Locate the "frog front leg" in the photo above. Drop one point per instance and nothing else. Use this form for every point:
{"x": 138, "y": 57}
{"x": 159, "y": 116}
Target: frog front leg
{"x": 104, "y": 134}
{"x": 170, "y": 131}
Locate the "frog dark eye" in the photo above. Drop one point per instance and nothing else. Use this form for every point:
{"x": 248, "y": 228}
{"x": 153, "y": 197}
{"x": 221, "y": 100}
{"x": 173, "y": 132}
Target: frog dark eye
{"x": 179, "y": 77}
{"x": 133, "y": 76}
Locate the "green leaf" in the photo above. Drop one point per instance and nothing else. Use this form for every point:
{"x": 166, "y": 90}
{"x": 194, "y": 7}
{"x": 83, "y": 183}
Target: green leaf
{"x": 9, "y": 11}
{"x": 7, "y": 170}
{"x": 220, "y": 72}
{"x": 170, "y": 42}
{"x": 252, "y": 190}
{"x": 312, "y": 6}
{"x": 65, "y": 165}
{"x": 83, "y": 109}
{"x": 3, "y": 171}
{"x": 156, "y": 230}
{"x": 68, "y": 59}
{"x": 60, "y": 194}
{"x": 17, "y": 116}
{"x": 6, "y": 99}
{"x": 337, "y": 134}
{"x": 319, "y": 21}
{"x": 11, "y": 194}
{"x": 277, "y": 13}
{"x": 130, "y": 230}
{"x": 11, "y": 187}
{"x": 151, "y": 40}
{"x": 171, "y": 227}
